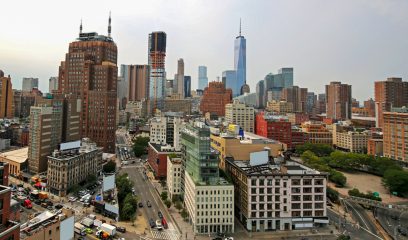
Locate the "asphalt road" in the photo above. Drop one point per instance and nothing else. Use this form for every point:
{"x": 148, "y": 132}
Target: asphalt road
{"x": 145, "y": 191}
{"x": 390, "y": 220}
{"x": 347, "y": 227}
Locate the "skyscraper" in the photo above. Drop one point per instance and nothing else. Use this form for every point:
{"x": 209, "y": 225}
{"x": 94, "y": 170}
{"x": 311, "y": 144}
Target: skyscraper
{"x": 239, "y": 62}
{"x": 137, "y": 79}
{"x": 338, "y": 101}
{"x": 90, "y": 73}
{"x": 229, "y": 78}
{"x": 297, "y": 96}
{"x": 202, "y": 77}
{"x": 45, "y": 133}
{"x": 180, "y": 78}
{"x": 392, "y": 92}
{"x": 187, "y": 86}
{"x": 29, "y": 84}
{"x": 52, "y": 84}
{"x": 156, "y": 61}
{"x": 274, "y": 83}
{"x": 6, "y": 97}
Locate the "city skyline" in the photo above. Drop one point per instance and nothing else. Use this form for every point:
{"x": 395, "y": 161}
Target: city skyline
{"x": 351, "y": 45}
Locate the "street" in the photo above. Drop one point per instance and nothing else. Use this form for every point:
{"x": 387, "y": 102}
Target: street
{"x": 145, "y": 191}
{"x": 391, "y": 220}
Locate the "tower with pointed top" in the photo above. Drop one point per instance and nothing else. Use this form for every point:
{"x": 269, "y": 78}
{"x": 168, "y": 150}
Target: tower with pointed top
{"x": 239, "y": 63}
{"x": 80, "y": 27}
{"x": 89, "y": 75}
{"x": 109, "y": 25}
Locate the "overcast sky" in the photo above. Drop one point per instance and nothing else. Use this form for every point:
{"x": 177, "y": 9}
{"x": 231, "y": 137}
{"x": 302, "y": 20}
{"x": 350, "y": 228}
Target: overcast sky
{"x": 352, "y": 41}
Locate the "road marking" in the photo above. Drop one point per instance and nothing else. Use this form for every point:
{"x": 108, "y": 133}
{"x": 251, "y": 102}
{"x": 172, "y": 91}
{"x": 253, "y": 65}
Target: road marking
{"x": 358, "y": 214}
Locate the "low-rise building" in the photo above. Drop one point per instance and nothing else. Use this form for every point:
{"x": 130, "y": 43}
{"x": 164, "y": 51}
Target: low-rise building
{"x": 275, "y": 127}
{"x": 280, "y": 107}
{"x": 72, "y": 164}
{"x": 9, "y": 229}
{"x": 157, "y": 158}
{"x": 352, "y": 141}
{"x": 136, "y": 108}
{"x": 240, "y": 147}
{"x": 277, "y": 195}
{"x": 375, "y": 147}
{"x": 317, "y": 133}
{"x": 174, "y": 175}
{"x": 17, "y": 160}
{"x": 4, "y": 144}
{"x": 55, "y": 225}
{"x": 297, "y": 118}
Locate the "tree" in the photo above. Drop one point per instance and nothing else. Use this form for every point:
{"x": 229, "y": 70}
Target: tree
{"x": 164, "y": 195}
{"x": 396, "y": 181}
{"x": 133, "y": 218}
{"x": 91, "y": 179}
{"x": 338, "y": 178}
{"x": 140, "y": 146}
{"x": 109, "y": 167}
{"x": 184, "y": 214}
{"x": 178, "y": 205}
{"x": 168, "y": 203}
{"x": 124, "y": 186}
{"x": 332, "y": 194}
{"x": 74, "y": 189}
{"x": 317, "y": 148}
{"x": 343, "y": 237}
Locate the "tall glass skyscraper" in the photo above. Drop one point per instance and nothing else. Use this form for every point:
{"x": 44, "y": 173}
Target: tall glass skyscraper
{"x": 202, "y": 77}
{"x": 229, "y": 78}
{"x": 239, "y": 63}
{"x": 274, "y": 83}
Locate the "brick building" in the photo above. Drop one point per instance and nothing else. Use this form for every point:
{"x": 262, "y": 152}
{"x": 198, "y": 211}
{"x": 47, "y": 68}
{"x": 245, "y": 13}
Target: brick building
{"x": 157, "y": 159}
{"x": 395, "y": 131}
{"x": 274, "y": 127}
{"x": 8, "y": 228}
{"x": 392, "y": 92}
{"x": 215, "y": 97}
{"x": 338, "y": 101}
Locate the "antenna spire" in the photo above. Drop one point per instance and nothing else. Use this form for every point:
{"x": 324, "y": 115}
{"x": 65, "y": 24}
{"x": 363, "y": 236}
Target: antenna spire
{"x": 80, "y": 27}
{"x": 109, "y": 26}
{"x": 240, "y": 27}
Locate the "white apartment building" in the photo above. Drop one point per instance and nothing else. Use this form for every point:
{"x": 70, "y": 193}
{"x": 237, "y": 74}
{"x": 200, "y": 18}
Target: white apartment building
{"x": 210, "y": 206}
{"x": 352, "y": 141}
{"x": 166, "y": 130}
{"x": 174, "y": 176}
{"x": 239, "y": 114}
{"x": 283, "y": 196}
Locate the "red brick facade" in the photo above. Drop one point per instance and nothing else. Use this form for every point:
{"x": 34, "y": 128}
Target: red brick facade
{"x": 214, "y": 99}
{"x": 276, "y": 129}
{"x": 157, "y": 161}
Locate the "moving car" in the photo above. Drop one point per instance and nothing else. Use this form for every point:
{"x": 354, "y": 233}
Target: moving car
{"x": 140, "y": 204}
{"x": 159, "y": 225}
{"x": 160, "y": 214}
{"x": 152, "y": 224}
{"x": 148, "y": 204}
{"x": 121, "y": 229}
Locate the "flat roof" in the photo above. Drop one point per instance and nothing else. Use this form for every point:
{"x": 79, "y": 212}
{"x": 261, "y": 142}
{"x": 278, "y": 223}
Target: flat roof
{"x": 19, "y": 155}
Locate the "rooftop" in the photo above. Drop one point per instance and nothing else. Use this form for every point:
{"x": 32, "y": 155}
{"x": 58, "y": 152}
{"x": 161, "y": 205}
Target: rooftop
{"x": 43, "y": 220}
{"x": 93, "y": 36}
{"x": 19, "y": 155}
{"x": 275, "y": 167}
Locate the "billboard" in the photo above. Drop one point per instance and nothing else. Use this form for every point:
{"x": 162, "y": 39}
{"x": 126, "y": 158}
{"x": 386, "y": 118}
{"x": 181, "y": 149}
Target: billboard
{"x": 108, "y": 182}
{"x": 258, "y": 158}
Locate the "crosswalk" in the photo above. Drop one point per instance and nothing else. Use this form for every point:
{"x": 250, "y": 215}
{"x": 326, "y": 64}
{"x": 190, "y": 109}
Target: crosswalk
{"x": 169, "y": 234}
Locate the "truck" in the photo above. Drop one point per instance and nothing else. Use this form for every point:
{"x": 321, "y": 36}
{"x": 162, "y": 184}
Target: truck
{"x": 109, "y": 229}
{"x": 79, "y": 229}
{"x": 42, "y": 195}
{"x": 27, "y": 204}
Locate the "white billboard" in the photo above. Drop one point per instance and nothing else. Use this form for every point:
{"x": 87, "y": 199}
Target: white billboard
{"x": 258, "y": 158}
{"x": 67, "y": 228}
{"x": 70, "y": 145}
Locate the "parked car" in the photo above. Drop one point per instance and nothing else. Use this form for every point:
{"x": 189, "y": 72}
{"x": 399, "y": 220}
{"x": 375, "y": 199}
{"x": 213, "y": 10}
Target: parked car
{"x": 58, "y": 206}
{"x": 44, "y": 204}
{"x": 152, "y": 223}
{"x": 140, "y": 204}
{"x": 148, "y": 204}
{"x": 159, "y": 226}
{"x": 121, "y": 229}
{"x": 50, "y": 208}
{"x": 160, "y": 214}
{"x": 72, "y": 199}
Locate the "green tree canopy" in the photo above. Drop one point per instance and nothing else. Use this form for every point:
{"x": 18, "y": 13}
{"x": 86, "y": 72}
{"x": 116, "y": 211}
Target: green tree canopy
{"x": 109, "y": 167}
